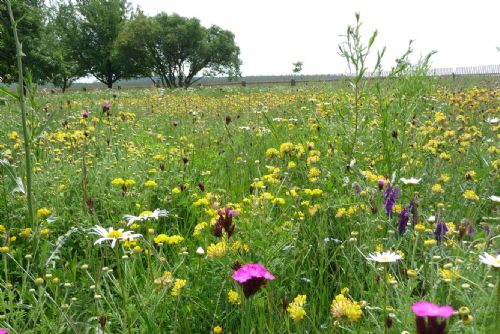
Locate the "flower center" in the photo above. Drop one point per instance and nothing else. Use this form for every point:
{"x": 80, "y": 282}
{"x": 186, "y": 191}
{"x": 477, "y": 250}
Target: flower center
{"x": 145, "y": 213}
{"x": 114, "y": 234}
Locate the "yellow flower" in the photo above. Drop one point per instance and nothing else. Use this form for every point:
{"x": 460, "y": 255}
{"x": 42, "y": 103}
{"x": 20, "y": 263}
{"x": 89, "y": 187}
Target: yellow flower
{"x": 437, "y": 188}
{"x": 43, "y": 212}
{"x": 471, "y": 195}
{"x": 26, "y": 233}
{"x": 217, "y": 250}
{"x": 313, "y": 174}
{"x": 118, "y": 181}
{"x": 286, "y": 148}
{"x": 171, "y": 240}
{"x": 429, "y": 242}
{"x": 271, "y": 153}
{"x": 44, "y": 232}
{"x": 296, "y": 308}
{"x": 178, "y": 285}
{"x": 234, "y": 297}
{"x": 445, "y": 178}
{"x": 344, "y": 307}
{"x": 217, "y": 330}
{"x": 199, "y": 227}
{"x": 176, "y": 191}
{"x": 150, "y": 183}
{"x": 449, "y": 275}
{"x": 2, "y": 229}
{"x": 4, "y": 249}
{"x": 129, "y": 182}
{"x": 291, "y": 165}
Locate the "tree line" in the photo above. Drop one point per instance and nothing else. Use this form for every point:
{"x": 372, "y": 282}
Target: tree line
{"x": 111, "y": 40}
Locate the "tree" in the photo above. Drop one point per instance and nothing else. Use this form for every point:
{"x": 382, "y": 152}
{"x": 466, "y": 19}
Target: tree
{"x": 176, "y": 49}
{"x": 29, "y": 14}
{"x": 62, "y": 66}
{"x": 99, "y": 23}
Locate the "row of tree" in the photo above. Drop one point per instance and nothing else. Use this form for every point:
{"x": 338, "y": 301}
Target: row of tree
{"x": 110, "y": 40}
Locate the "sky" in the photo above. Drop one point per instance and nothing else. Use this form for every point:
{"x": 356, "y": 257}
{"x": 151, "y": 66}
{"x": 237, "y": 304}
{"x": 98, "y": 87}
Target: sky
{"x": 272, "y": 34}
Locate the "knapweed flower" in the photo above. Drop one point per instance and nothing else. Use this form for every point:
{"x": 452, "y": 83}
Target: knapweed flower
{"x": 113, "y": 235}
{"x": 344, "y": 307}
{"x": 427, "y": 315}
{"x": 85, "y": 114}
{"x": 384, "y": 257}
{"x": 410, "y": 181}
{"x": 251, "y": 277}
{"x": 145, "y": 215}
{"x": 391, "y": 194}
{"x": 225, "y": 222}
{"x": 493, "y": 261}
{"x": 296, "y": 309}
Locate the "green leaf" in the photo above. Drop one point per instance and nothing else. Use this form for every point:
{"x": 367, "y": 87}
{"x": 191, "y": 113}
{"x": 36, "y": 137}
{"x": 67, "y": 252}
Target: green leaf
{"x": 4, "y": 91}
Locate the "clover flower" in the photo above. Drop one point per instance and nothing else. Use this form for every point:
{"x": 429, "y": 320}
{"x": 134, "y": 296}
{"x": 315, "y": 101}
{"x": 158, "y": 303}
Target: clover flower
{"x": 427, "y": 315}
{"x": 251, "y": 277}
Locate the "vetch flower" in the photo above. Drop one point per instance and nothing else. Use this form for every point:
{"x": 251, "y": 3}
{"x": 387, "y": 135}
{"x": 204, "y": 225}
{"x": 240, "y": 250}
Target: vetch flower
{"x": 384, "y": 257}
{"x": 493, "y": 261}
{"x": 441, "y": 230}
{"x": 391, "y": 194}
{"x": 113, "y": 235}
{"x": 251, "y": 277}
{"x": 403, "y": 220}
{"x": 145, "y": 215}
{"x": 427, "y": 315}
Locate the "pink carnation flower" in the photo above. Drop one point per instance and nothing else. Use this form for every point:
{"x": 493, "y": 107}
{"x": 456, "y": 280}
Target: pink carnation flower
{"x": 3, "y": 331}
{"x": 426, "y": 309}
{"x": 251, "y": 277}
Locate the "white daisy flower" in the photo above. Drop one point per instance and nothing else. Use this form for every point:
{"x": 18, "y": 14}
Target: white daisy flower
{"x": 495, "y": 198}
{"x": 411, "y": 180}
{"x": 490, "y": 260}
{"x": 145, "y": 215}
{"x": 384, "y": 257}
{"x": 492, "y": 120}
{"x": 113, "y": 235}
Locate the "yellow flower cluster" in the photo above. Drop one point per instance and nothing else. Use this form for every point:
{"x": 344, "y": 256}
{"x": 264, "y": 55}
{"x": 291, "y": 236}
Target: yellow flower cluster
{"x": 343, "y": 307}
{"x": 171, "y": 240}
{"x": 296, "y": 308}
{"x": 178, "y": 285}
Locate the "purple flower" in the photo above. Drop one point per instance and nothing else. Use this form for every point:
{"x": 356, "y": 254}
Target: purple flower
{"x": 106, "y": 106}
{"x": 381, "y": 183}
{"x": 403, "y": 220}
{"x": 85, "y": 114}
{"x": 251, "y": 277}
{"x": 4, "y": 331}
{"x": 414, "y": 212}
{"x": 441, "y": 230}
{"x": 427, "y": 315}
{"x": 225, "y": 222}
{"x": 391, "y": 194}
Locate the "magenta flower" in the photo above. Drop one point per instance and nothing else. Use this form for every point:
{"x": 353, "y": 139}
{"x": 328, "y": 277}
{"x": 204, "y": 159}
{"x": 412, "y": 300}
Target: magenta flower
{"x": 427, "y": 314}
{"x": 225, "y": 222}
{"x": 251, "y": 277}
{"x": 107, "y": 106}
{"x": 3, "y": 331}
{"x": 85, "y": 114}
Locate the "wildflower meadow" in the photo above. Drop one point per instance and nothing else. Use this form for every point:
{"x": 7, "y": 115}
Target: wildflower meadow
{"x": 360, "y": 206}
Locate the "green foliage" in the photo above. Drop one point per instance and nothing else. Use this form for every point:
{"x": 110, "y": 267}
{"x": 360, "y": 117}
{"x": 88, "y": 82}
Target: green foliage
{"x": 177, "y": 49}
{"x": 30, "y": 17}
{"x": 98, "y": 25}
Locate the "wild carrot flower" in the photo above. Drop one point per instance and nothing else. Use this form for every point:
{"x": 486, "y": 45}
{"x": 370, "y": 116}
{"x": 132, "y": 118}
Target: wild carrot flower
{"x": 427, "y": 315}
{"x": 251, "y": 277}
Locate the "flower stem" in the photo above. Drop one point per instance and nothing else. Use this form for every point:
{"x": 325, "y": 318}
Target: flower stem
{"x": 27, "y": 151}
{"x": 122, "y": 288}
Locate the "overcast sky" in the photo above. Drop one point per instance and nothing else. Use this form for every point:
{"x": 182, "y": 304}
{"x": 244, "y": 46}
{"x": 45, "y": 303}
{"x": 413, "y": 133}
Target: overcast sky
{"x": 272, "y": 34}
